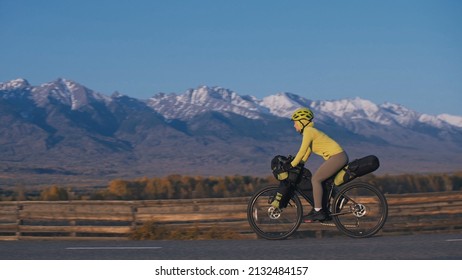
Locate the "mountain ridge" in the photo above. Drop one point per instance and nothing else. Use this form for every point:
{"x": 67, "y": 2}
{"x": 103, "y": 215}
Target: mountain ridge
{"x": 76, "y": 134}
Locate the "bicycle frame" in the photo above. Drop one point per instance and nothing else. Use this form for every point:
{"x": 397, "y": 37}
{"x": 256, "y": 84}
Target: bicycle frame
{"x": 327, "y": 186}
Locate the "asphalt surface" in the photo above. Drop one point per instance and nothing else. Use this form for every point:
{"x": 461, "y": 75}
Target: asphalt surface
{"x": 409, "y": 247}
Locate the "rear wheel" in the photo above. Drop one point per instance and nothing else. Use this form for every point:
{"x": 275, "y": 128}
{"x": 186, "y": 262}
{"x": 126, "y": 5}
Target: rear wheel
{"x": 273, "y": 223}
{"x": 359, "y": 210}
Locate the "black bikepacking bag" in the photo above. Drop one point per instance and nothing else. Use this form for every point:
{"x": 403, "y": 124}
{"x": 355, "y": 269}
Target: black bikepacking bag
{"x": 293, "y": 175}
{"x": 286, "y": 189}
{"x": 357, "y": 168}
{"x": 300, "y": 178}
{"x": 304, "y": 183}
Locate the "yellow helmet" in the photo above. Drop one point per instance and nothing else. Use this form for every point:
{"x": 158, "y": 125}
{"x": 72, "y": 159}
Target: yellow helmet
{"x": 302, "y": 114}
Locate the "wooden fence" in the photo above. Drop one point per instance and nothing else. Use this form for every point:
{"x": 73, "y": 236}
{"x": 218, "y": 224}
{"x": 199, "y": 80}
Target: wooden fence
{"x": 22, "y": 220}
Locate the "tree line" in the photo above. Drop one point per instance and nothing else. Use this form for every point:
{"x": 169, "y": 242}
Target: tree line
{"x": 187, "y": 187}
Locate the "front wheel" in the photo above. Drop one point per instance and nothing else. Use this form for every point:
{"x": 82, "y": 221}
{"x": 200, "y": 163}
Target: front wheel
{"x": 273, "y": 223}
{"x": 359, "y": 209}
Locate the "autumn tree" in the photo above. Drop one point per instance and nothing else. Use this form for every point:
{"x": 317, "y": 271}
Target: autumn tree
{"x": 54, "y": 193}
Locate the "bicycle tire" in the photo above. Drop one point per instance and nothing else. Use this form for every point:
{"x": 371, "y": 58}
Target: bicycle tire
{"x": 364, "y": 213}
{"x": 267, "y": 223}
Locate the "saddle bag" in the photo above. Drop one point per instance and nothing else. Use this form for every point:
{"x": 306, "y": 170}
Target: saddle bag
{"x": 357, "y": 168}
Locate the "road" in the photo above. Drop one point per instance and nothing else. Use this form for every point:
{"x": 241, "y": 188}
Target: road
{"x": 409, "y": 247}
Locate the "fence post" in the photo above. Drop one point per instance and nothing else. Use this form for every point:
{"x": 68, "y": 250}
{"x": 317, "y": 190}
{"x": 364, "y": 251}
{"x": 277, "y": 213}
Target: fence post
{"x": 134, "y": 210}
{"x": 72, "y": 222}
{"x": 19, "y": 207}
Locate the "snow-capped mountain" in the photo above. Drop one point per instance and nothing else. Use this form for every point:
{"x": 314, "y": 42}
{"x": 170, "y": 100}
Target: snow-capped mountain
{"x": 67, "y": 93}
{"x": 67, "y": 130}
{"x": 203, "y": 99}
{"x": 62, "y": 91}
{"x": 14, "y": 85}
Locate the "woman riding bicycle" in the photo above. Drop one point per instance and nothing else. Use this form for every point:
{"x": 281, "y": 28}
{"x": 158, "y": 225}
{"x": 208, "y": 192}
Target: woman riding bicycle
{"x": 319, "y": 143}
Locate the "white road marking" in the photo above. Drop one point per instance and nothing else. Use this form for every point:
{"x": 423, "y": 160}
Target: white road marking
{"x": 113, "y": 248}
{"x": 454, "y": 240}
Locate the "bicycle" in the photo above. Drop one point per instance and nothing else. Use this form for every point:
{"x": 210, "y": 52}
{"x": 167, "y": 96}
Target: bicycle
{"x": 357, "y": 209}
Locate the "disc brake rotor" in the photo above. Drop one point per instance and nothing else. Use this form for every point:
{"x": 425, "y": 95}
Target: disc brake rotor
{"x": 274, "y": 213}
{"x": 359, "y": 210}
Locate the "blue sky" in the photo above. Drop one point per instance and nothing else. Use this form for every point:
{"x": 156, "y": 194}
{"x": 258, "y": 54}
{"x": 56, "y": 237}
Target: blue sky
{"x": 407, "y": 52}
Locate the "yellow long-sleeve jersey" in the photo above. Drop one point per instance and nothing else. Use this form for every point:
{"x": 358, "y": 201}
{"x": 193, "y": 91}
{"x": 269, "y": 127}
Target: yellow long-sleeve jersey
{"x": 317, "y": 142}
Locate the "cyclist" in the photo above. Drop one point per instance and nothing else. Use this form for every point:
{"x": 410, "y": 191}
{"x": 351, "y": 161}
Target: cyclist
{"x": 319, "y": 143}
